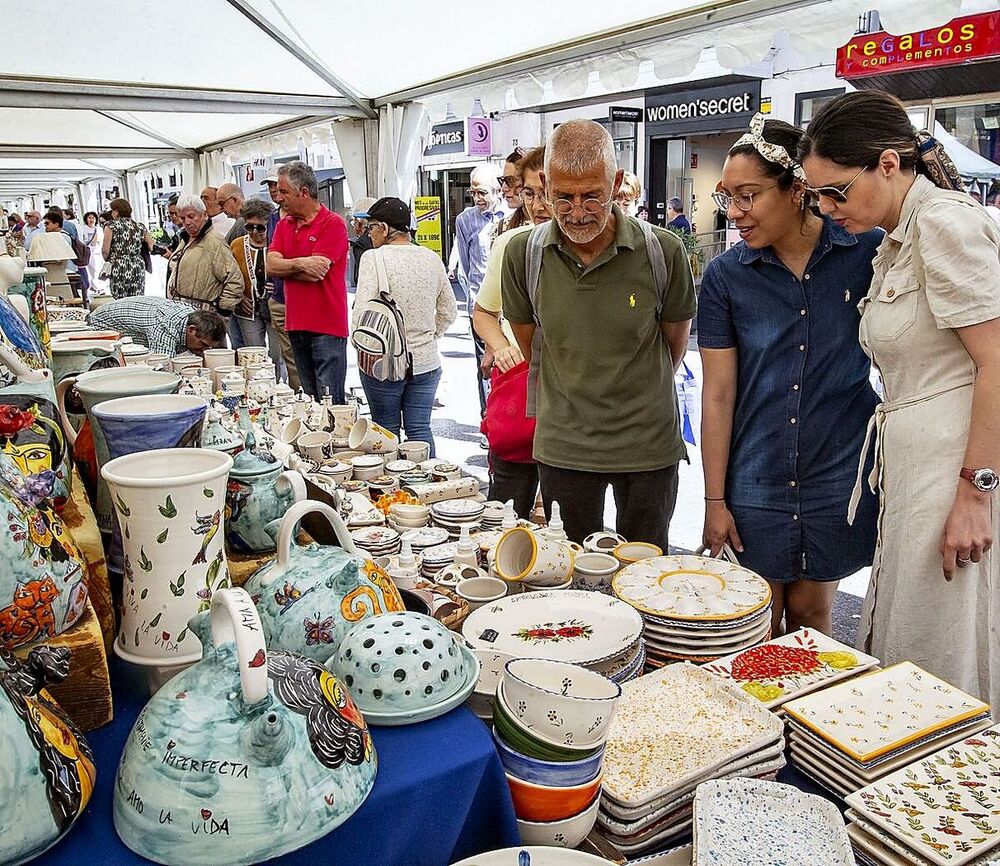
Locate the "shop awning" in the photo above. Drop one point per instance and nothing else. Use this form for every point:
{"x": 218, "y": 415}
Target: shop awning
{"x": 971, "y": 165}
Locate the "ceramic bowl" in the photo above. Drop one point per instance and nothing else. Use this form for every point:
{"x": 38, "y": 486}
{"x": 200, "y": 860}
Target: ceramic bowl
{"x": 603, "y": 542}
{"x": 367, "y": 467}
{"x": 528, "y": 586}
{"x": 401, "y": 661}
{"x": 594, "y": 571}
{"x": 557, "y": 773}
{"x": 633, "y": 551}
{"x": 524, "y": 741}
{"x": 549, "y": 803}
{"x": 491, "y": 666}
{"x": 567, "y": 833}
{"x": 562, "y": 703}
{"x": 402, "y": 511}
{"x": 537, "y": 855}
{"x": 478, "y": 591}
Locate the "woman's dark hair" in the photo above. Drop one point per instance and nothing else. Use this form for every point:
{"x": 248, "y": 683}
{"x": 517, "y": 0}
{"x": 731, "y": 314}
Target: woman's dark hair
{"x": 783, "y": 134}
{"x": 53, "y": 216}
{"x": 527, "y": 160}
{"x": 515, "y": 156}
{"x": 93, "y": 214}
{"x": 122, "y": 206}
{"x": 856, "y": 128}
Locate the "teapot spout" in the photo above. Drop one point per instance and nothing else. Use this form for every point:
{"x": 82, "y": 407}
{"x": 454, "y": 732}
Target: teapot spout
{"x": 269, "y": 738}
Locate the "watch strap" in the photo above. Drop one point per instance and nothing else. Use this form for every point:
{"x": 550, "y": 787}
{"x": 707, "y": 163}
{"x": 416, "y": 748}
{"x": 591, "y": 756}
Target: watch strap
{"x": 968, "y": 474}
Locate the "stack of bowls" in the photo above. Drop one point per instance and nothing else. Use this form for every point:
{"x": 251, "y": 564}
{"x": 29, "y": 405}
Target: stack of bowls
{"x": 492, "y": 519}
{"x": 403, "y": 516}
{"x": 550, "y": 723}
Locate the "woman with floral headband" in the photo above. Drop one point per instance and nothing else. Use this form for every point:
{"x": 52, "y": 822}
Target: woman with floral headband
{"x": 931, "y": 323}
{"x": 786, "y": 397}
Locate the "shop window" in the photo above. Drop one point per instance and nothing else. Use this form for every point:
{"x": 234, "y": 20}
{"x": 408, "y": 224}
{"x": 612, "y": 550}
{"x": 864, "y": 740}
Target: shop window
{"x": 975, "y": 126}
{"x": 624, "y": 135}
{"x": 807, "y": 105}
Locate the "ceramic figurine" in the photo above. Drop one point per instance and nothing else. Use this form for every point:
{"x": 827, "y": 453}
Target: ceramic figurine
{"x": 312, "y": 595}
{"x": 169, "y": 504}
{"x": 17, "y": 334}
{"x": 48, "y": 768}
{"x": 245, "y": 756}
{"x": 32, "y": 288}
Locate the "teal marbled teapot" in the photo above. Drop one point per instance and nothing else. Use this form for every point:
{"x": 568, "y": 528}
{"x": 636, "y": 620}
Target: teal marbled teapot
{"x": 245, "y": 756}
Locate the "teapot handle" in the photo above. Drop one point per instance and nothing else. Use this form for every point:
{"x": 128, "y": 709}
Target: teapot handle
{"x": 295, "y": 514}
{"x": 23, "y": 372}
{"x": 61, "y": 390}
{"x": 234, "y": 618}
{"x": 292, "y": 480}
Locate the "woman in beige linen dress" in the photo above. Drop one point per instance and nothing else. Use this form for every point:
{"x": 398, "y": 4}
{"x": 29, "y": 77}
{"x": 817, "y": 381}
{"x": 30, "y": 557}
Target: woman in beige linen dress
{"x": 931, "y": 324}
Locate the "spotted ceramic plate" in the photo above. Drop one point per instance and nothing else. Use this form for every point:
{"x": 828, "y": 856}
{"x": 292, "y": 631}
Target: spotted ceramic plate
{"x": 440, "y": 554}
{"x": 457, "y": 508}
{"x": 375, "y": 536}
{"x": 691, "y": 588}
{"x": 427, "y": 536}
{"x": 567, "y": 625}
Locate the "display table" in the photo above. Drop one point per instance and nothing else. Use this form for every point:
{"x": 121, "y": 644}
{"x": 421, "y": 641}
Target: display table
{"x": 439, "y": 796}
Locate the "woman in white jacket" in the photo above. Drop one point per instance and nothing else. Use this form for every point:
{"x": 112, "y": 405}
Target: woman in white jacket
{"x": 419, "y": 285}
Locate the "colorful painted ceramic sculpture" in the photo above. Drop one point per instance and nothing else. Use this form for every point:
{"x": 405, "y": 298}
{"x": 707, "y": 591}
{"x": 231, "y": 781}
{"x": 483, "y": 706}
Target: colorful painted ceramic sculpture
{"x": 311, "y": 596}
{"x": 32, "y": 288}
{"x": 15, "y": 333}
{"x": 245, "y": 756}
{"x": 43, "y": 588}
{"x": 48, "y": 768}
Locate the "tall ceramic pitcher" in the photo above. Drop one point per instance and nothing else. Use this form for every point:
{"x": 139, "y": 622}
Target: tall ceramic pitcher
{"x": 170, "y": 504}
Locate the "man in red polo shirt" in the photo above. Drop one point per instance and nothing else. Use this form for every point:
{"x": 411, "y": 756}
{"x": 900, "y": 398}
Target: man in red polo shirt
{"x": 309, "y": 252}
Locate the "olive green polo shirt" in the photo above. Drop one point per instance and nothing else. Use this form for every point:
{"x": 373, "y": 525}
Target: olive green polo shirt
{"x": 606, "y": 396}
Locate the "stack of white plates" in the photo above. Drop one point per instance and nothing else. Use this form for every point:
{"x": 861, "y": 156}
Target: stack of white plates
{"x": 492, "y": 519}
{"x": 854, "y": 733}
{"x": 433, "y": 559}
{"x": 673, "y": 729}
{"x": 427, "y": 536}
{"x": 695, "y": 608}
{"x": 936, "y": 810}
{"x": 378, "y": 540}
{"x": 453, "y": 514}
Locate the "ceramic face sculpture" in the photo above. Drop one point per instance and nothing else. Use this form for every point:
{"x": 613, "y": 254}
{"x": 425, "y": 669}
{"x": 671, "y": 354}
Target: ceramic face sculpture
{"x": 48, "y": 773}
{"x": 311, "y": 596}
{"x": 245, "y": 756}
{"x": 42, "y": 583}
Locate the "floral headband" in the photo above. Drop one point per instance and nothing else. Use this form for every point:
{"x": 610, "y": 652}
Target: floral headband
{"x": 771, "y": 152}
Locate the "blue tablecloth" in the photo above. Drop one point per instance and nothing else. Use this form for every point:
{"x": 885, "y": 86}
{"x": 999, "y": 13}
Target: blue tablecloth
{"x": 439, "y": 796}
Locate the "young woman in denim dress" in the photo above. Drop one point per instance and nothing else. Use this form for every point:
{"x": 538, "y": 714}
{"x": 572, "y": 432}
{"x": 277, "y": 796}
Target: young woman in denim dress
{"x": 786, "y": 397}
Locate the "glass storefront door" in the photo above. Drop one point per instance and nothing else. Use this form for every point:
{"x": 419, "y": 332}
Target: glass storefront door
{"x": 667, "y": 177}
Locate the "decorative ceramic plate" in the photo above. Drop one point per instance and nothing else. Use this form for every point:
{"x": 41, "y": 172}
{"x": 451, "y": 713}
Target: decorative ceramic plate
{"x": 733, "y": 817}
{"x": 570, "y": 625}
{"x": 869, "y": 848}
{"x": 440, "y": 554}
{"x": 426, "y": 536}
{"x": 674, "y": 857}
{"x": 791, "y": 666}
{"x": 821, "y": 773}
{"x": 691, "y": 588}
{"x": 709, "y": 642}
{"x": 706, "y": 626}
{"x": 891, "y": 851}
{"x": 464, "y": 509}
{"x": 675, "y": 725}
{"x": 944, "y": 806}
{"x": 883, "y": 711}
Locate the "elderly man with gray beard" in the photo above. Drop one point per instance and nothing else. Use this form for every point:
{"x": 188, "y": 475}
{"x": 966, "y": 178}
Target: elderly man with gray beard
{"x": 603, "y": 313}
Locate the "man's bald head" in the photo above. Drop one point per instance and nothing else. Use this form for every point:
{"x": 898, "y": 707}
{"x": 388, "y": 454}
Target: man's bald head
{"x": 230, "y": 199}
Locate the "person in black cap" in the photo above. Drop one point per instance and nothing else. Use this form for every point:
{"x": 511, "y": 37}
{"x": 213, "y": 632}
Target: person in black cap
{"x": 417, "y": 281}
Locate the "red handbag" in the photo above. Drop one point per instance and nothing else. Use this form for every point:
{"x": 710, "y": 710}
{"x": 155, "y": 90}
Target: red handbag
{"x": 510, "y": 432}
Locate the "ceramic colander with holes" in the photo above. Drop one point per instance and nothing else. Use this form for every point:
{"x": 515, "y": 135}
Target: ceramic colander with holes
{"x": 403, "y": 668}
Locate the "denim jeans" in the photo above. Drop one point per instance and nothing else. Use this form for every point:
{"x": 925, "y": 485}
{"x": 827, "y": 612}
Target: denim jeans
{"x": 412, "y": 400}
{"x": 321, "y": 360}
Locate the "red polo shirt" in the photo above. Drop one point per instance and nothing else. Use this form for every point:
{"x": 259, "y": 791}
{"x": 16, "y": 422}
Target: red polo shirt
{"x": 319, "y": 307}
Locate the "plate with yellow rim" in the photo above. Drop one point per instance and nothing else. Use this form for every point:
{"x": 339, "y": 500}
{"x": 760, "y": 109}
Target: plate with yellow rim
{"x": 693, "y": 588}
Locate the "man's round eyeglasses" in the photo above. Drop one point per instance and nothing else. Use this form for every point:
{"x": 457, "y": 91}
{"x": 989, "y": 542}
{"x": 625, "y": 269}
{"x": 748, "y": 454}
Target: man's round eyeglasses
{"x": 565, "y": 206}
{"x": 835, "y": 193}
{"x": 743, "y": 200}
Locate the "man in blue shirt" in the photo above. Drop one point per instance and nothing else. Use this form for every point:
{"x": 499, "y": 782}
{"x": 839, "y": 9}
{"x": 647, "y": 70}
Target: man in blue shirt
{"x": 675, "y": 216}
{"x": 474, "y": 230}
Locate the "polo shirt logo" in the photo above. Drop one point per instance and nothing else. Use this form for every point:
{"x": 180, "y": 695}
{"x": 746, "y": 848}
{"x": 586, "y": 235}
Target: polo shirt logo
{"x": 631, "y": 300}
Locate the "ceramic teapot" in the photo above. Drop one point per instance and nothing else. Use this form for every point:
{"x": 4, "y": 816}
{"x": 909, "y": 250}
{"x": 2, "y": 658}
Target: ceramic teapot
{"x": 217, "y": 436}
{"x": 245, "y": 756}
{"x": 258, "y": 493}
{"x": 310, "y": 596}
{"x": 48, "y": 773}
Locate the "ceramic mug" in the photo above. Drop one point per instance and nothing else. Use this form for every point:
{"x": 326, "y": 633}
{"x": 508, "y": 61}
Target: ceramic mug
{"x": 521, "y": 555}
{"x": 219, "y": 373}
{"x": 214, "y": 358}
{"x": 371, "y": 438}
{"x": 594, "y": 571}
{"x": 367, "y": 466}
{"x": 343, "y": 419}
{"x": 415, "y": 450}
{"x": 316, "y": 446}
{"x": 248, "y": 355}
{"x": 478, "y": 591}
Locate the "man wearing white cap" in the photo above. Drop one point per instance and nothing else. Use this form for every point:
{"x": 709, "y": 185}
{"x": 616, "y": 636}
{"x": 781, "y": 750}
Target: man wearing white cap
{"x": 361, "y": 242}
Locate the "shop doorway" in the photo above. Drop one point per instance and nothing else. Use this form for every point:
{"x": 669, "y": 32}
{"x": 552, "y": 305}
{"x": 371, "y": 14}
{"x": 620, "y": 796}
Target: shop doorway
{"x": 667, "y": 177}
{"x": 452, "y": 187}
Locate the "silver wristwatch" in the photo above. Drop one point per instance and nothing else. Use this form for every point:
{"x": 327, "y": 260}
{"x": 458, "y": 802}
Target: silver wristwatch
{"x": 985, "y": 480}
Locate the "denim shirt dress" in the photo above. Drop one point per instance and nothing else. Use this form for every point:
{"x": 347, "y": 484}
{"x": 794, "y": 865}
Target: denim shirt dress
{"x": 803, "y": 403}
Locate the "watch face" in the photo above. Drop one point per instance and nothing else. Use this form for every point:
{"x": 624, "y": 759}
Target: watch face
{"x": 987, "y": 479}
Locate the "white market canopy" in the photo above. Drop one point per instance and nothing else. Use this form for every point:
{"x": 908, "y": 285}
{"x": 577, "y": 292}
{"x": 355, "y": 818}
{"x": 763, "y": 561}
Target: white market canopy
{"x": 106, "y": 87}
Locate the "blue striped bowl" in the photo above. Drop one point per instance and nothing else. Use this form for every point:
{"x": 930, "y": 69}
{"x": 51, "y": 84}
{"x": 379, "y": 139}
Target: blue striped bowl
{"x": 559, "y": 774}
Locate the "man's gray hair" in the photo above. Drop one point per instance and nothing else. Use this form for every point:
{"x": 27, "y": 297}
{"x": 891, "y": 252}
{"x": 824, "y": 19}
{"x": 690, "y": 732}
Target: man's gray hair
{"x": 191, "y": 201}
{"x": 254, "y": 207}
{"x": 486, "y": 174}
{"x": 676, "y": 205}
{"x": 577, "y": 147}
{"x": 301, "y": 175}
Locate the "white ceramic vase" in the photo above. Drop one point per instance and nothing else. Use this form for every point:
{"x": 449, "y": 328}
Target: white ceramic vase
{"x": 170, "y": 504}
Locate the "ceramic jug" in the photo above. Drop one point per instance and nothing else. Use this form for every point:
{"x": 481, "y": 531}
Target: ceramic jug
{"x": 169, "y": 503}
{"x": 89, "y": 446}
{"x": 258, "y": 493}
{"x": 31, "y": 287}
{"x": 245, "y": 756}
{"x": 48, "y": 768}
{"x": 30, "y": 433}
{"x": 43, "y": 589}
{"x": 310, "y": 596}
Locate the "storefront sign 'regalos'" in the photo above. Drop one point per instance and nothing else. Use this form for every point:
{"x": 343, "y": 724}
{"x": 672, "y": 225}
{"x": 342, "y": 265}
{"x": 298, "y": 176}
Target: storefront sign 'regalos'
{"x": 709, "y": 109}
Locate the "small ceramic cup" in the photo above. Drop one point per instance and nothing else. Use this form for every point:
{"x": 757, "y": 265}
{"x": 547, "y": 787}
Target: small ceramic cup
{"x": 527, "y": 586}
{"x": 478, "y": 591}
{"x": 633, "y": 551}
{"x": 343, "y": 419}
{"x": 594, "y": 571}
{"x": 371, "y": 438}
{"x": 415, "y": 450}
{"x": 289, "y": 432}
{"x": 219, "y": 373}
{"x": 522, "y": 555}
{"x": 219, "y": 358}
{"x": 367, "y": 467}
{"x": 315, "y": 446}
{"x": 251, "y": 355}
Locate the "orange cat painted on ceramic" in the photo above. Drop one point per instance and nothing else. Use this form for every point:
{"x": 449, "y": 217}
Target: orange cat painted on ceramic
{"x": 30, "y": 616}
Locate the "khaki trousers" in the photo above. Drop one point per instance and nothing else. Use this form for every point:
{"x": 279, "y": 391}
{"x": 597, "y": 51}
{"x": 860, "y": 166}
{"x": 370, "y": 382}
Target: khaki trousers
{"x": 278, "y": 321}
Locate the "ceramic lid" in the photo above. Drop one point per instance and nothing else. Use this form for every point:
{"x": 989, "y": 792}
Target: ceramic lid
{"x": 253, "y": 460}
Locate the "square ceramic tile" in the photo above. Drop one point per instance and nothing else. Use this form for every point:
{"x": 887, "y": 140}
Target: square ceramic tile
{"x": 791, "y": 666}
{"x": 821, "y": 772}
{"x": 945, "y": 807}
{"x": 732, "y": 817}
{"x": 673, "y": 726}
{"x": 882, "y": 845}
{"x": 883, "y": 711}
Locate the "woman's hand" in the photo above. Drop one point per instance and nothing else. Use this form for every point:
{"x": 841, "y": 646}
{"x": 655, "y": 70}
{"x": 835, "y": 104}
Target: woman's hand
{"x": 968, "y": 532}
{"x": 507, "y": 358}
{"x": 720, "y": 529}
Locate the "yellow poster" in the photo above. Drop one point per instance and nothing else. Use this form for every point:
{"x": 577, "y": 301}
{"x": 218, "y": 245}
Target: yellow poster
{"x": 427, "y": 209}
